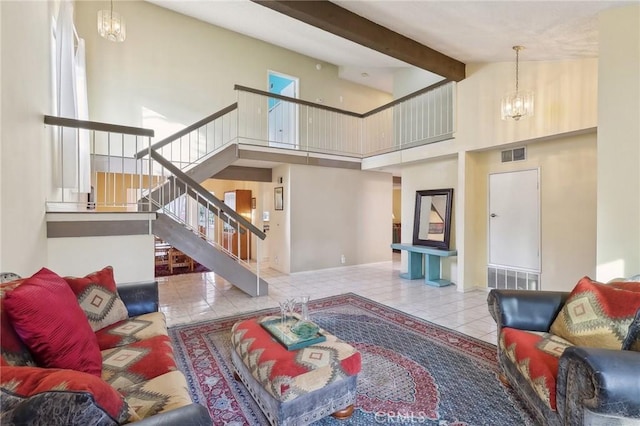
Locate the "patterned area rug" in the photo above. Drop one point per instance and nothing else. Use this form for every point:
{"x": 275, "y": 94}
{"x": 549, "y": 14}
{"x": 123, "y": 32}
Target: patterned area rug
{"x": 413, "y": 371}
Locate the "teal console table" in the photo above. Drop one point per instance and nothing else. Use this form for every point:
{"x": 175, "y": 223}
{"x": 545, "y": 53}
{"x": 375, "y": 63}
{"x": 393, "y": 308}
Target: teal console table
{"x": 417, "y": 255}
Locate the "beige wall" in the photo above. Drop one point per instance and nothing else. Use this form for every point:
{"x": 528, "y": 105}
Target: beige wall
{"x": 565, "y": 101}
{"x": 567, "y": 173}
{"x": 409, "y": 80}
{"x": 433, "y": 174}
{"x": 279, "y": 236}
{"x": 335, "y": 212}
{"x": 24, "y": 142}
{"x": 567, "y": 167}
{"x": 131, "y": 256}
{"x": 618, "y": 239}
{"x": 185, "y": 69}
{"x": 566, "y": 104}
{"x": 397, "y": 205}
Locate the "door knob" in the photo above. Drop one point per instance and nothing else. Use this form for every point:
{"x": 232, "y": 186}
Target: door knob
{"x": 493, "y": 215}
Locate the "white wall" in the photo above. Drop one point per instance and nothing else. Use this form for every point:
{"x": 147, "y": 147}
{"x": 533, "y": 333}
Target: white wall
{"x": 185, "y": 69}
{"x": 619, "y": 144}
{"x": 335, "y": 212}
{"x": 131, "y": 256}
{"x": 25, "y": 163}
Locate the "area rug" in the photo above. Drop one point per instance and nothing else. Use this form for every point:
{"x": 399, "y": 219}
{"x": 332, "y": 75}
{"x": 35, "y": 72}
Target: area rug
{"x": 413, "y": 371}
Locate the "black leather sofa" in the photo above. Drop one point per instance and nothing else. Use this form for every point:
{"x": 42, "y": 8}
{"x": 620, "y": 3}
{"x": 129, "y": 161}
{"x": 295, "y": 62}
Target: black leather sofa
{"x": 593, "y": 386}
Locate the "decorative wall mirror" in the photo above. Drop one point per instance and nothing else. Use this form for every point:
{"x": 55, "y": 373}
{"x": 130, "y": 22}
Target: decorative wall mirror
{"x": 432, "y": 220}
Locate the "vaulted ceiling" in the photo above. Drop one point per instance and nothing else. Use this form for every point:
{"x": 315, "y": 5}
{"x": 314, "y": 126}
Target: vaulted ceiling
{"x": 368, "y": 40}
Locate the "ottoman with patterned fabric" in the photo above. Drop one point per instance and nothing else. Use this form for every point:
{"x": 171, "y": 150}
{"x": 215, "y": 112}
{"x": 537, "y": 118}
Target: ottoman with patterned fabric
{"x": 295, "y": 387}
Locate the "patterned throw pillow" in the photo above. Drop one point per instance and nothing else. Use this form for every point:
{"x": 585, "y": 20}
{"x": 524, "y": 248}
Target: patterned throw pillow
{"x": 12, "y": 350}
{"x": 98, "y": 298}
{"x": 32, "y": 395}
{"x": 46, "y": 315}
{"x": 597, "y": 315}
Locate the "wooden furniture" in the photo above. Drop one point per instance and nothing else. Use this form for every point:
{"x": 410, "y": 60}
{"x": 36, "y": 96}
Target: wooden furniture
{"x": 178, "y": 259}
{"x": 161, "y": 253}
{"x": 431, "y": 264}
{"x": 240, "y": 201}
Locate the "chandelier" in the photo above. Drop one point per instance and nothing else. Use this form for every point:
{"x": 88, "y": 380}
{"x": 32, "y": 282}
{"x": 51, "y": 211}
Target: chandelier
{"x": 518, "y": 104}
{"x": 111, "y": 25}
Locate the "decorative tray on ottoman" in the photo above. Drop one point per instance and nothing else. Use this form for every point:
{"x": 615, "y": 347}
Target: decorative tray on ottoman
{"x": 290, "y": 340}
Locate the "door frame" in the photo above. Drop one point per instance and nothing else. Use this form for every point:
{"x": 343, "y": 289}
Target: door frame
{"x": 489, "y": 264}
{"x": 295, "y": 118}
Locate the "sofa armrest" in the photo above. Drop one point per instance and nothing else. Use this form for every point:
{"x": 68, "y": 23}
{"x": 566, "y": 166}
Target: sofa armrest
{"x": 192, "y": 415}
{"x": 140, "y": 298}
{"x": 598, "y": 383}
{"x": 525, "y": 309}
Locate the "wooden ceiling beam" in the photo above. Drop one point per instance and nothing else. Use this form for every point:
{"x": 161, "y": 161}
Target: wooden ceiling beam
{"x": 339, "y": 21}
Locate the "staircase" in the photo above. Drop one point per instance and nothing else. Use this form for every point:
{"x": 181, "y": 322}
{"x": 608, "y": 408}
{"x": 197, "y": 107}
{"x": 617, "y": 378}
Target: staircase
{"x": 175, "y": 229}
{"x": 126, "y": 166}
{"x": 202, "y": 251}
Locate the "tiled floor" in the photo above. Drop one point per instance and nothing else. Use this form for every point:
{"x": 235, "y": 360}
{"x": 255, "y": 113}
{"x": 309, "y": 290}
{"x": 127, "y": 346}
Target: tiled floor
{"x": 196, "y": 297}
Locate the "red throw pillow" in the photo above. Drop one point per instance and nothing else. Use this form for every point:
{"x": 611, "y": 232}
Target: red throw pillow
{"x": 12, "y": 350}
{"x": 597, "y": 315}
{"x": 25, "y": 384}
{"x": 99, "y": 298}
{"x": 46, "y": 315}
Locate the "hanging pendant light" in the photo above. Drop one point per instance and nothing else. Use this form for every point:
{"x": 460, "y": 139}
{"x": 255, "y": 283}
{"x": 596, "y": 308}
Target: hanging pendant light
{"x": 111, "y": 25}
{"x": 519, "y": 104}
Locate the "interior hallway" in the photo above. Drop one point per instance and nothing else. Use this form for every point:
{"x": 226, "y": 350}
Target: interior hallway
{"x": 201, "y": 296}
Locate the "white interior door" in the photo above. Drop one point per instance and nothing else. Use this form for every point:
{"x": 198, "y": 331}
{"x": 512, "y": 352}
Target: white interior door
{"x": 514, "y": 220}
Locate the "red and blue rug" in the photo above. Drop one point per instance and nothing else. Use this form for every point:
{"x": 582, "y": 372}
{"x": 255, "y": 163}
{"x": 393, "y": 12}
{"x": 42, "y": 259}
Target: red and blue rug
{"x": 413, "y": 371}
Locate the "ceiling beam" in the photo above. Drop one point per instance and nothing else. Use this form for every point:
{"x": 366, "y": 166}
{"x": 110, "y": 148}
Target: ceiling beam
{"x": 339, "y": 21}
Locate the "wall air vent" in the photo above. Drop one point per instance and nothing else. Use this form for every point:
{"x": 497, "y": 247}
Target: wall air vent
{"x": 512, "y": 279}
{"x": 516, "y": 154}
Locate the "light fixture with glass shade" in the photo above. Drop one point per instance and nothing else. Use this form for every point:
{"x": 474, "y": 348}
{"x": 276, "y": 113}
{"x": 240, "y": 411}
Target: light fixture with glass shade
{"x": 519, "y": 104}
{"x": 111, "y": 25}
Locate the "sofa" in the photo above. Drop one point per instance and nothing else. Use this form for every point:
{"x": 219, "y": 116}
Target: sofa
{"x": 81, "y": 350}
{"x": 573, "y": 357}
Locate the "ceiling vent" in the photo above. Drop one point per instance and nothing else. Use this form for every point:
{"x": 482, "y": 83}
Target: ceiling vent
{"x": 515, "y": 154}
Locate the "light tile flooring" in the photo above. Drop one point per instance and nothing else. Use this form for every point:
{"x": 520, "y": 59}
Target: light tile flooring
{"x": 200, "y": 296}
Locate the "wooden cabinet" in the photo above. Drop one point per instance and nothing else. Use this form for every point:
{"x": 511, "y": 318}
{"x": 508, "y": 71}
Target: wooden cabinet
{"x": 240, "y": 201}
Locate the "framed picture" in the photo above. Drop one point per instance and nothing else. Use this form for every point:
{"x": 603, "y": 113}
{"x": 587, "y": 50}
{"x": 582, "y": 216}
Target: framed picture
{"x": 278, "y": 201}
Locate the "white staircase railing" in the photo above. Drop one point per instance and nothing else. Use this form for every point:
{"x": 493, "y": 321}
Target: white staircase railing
{"x": 270, "y": 120}
{"x": 119, "y": 179}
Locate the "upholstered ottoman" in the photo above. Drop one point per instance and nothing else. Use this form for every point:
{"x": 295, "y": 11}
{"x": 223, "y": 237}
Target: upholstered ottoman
{"x": 295, "y": 387}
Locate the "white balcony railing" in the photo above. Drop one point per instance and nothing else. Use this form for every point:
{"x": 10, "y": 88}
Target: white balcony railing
{"x": 108, "y": 166}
